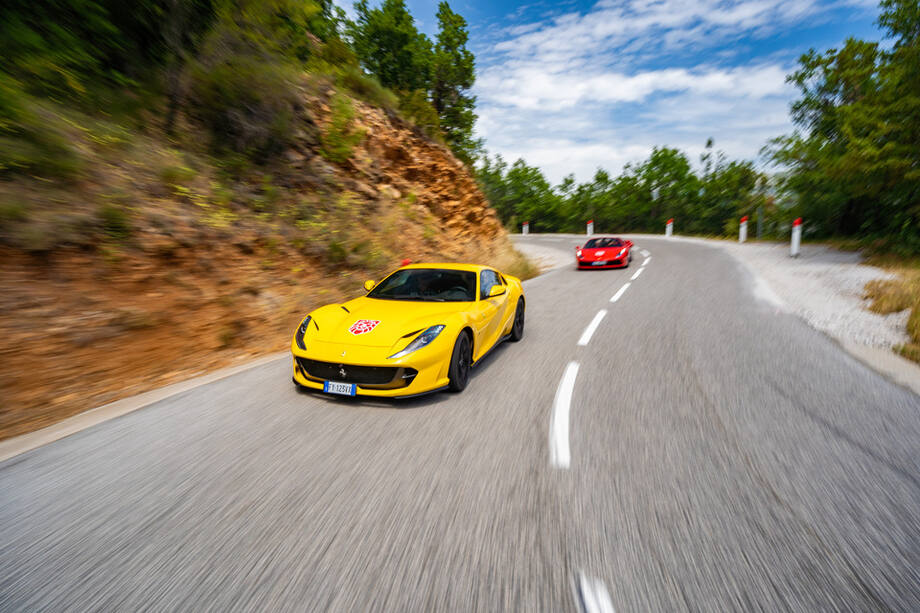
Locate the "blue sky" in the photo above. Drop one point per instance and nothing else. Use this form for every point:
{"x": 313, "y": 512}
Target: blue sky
{"x": 575, "y": 85}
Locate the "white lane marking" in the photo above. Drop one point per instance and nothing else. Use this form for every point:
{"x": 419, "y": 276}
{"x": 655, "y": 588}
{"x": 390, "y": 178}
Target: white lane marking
{"x": 619, "y": 293}
{"x": 647, "y": 260}
{"x": 644, "y": 253}
{"x": 589, "y": 331}
{"x": 637, "y": 273}
{"x": 559, "y": 455}
{"x": 594, "y": 596}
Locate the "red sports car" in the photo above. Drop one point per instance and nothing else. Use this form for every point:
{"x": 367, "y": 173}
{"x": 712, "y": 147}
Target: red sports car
{"x": 604, "y": 252}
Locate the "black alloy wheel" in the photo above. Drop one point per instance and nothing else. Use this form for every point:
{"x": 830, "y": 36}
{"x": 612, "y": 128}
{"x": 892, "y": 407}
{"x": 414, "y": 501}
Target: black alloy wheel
{"x": 517, "y": 328}
{"x": 460, "y": 362}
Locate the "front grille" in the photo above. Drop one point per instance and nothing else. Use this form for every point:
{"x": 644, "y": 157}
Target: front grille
{"x": 376, "y": 376}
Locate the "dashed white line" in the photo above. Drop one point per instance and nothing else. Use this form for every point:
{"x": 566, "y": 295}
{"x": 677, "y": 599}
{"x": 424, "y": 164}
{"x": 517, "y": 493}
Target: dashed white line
{"x": 637, "y": 273}
{"x": 619, "y": 293}
{"x": 559, "y": 454}
{"x": 589, "y": 331}
{"x": 644, "y": 253}
{"x": 594, "y": 596}
{"x": 647, "y": 260}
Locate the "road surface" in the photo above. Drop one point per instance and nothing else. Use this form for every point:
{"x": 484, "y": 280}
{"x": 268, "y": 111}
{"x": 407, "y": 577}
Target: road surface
{"x": 693, "y": 448}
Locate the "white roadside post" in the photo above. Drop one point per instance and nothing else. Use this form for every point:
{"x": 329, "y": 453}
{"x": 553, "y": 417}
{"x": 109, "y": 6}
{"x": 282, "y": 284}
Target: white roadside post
{"x": 742, "y": 230}
{"x": 796, "y": 237}
{"x": 590, "y": 229}
{"x": 669, "y": 227}
{"x": 525, "y": 227}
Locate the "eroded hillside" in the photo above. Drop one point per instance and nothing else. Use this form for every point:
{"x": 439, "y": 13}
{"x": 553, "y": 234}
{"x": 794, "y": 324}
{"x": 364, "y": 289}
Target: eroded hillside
{"x": 160, "y": 262}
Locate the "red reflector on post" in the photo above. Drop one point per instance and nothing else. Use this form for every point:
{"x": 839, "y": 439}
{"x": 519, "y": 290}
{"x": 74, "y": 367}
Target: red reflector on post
{"x": 797, "y": 222}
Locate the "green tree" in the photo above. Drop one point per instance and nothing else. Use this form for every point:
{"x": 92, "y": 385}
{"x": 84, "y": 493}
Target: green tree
{"x": 452, "y": 77}
{"x": 389, "y": 46}
{"x": 853, "y": 160}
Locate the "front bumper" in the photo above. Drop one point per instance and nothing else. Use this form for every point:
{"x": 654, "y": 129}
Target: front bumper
{"x": 617, "y": 263}
{"x": 372, "y": 373}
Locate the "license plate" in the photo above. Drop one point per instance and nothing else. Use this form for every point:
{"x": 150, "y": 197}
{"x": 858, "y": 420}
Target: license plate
{"x": 598, "y": 263}
{"x": 345, "y": 389}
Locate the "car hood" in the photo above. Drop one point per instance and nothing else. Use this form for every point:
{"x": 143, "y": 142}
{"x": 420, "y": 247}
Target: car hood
{"x": 600, "y": 253}
{"x": 370, "y": 322}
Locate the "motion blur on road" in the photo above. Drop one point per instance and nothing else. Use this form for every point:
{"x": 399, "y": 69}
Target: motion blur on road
{"x": 721, "y": 415}
{"x": 719, "y": 454}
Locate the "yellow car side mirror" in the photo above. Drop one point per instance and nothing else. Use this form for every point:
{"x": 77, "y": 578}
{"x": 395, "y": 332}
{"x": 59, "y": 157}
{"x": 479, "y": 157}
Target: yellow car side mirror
{"x": 497, "y": 290}
{"x": 369, "y": 285}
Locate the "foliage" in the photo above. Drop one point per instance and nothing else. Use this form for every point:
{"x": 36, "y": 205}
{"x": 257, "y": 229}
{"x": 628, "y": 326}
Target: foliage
{"x": 854, "y": 161}
{"x": 388, "y": 45}
{"x": 340, "y": 136}
{"x": 32, "y": 140}
{"x": 242, "y": 86}
{"x": 416, "y": 107}
{"x": 115, "y": 221}
{"x": 642, "y": 198}
{"x": 452, "y": 76}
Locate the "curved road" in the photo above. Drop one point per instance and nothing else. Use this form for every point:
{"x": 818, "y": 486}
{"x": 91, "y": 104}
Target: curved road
{"x": 697, "y": 449}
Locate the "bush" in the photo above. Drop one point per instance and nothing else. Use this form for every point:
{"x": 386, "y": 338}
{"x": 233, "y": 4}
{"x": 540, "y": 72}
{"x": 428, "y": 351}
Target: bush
{"x": 246, "y": 96}
{"x": 11, "y": 213}
{"x": 176, "y": 174}
{"x": 416, "y": 107}
{"x": 340, "y": 136}
{"x": 115, "y": 221}
{"x": 31, "y": 141}
{"x": 366, "y": 87}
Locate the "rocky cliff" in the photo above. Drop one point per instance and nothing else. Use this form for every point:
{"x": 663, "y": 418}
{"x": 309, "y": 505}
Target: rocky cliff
{"x": 163, "y": 261}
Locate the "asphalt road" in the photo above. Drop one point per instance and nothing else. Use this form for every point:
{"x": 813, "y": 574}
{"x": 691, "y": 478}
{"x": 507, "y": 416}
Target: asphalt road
{"x": 714, "y": 454}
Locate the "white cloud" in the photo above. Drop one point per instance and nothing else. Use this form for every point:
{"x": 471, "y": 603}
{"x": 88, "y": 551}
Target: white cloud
{"x": 600, "y": 89}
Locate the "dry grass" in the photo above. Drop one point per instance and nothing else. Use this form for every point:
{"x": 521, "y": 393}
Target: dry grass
{"x": 513, "y": 262}
{"x": 896, "y": 295}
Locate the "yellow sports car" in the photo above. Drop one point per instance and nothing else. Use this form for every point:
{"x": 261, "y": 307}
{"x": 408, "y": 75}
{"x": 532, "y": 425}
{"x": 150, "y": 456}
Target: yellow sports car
{"x": 419, "y": 330}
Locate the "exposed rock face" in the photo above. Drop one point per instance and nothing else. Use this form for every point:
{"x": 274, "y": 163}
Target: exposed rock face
{"x": 403, "y": 163}
{"x": 208, "y": 279}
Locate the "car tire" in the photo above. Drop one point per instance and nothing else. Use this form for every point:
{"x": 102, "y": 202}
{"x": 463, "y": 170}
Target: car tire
{"x": 461, "y": 360}
{"x": 517, "y": 328}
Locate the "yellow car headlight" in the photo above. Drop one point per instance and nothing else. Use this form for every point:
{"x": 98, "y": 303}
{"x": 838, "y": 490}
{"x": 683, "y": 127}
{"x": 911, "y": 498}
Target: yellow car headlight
{"x": 301, "y": 332}
{"x": 419, "y": 341}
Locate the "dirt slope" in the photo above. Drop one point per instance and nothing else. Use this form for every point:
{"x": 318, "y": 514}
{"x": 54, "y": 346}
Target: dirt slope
{"x": 155, "y": 265}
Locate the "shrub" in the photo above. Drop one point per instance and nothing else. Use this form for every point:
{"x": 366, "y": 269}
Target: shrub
{"x": 416, "y": 107}
{"x": 12, "y": 212}
{"x": 245, "y": 96}
{"x": 115, "y": 221}
{"x": 32, "y": 141}
{"x": 176, "y": 174}
{"x": 340, "y": 136}
{"x": 366, "y": 87}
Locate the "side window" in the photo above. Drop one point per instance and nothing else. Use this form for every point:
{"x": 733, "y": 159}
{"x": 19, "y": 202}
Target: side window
{"x": 487, "y": 279}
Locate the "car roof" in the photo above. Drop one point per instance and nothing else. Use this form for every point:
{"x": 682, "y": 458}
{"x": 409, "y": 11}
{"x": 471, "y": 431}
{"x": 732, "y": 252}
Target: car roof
{"x": 448, "y": 266}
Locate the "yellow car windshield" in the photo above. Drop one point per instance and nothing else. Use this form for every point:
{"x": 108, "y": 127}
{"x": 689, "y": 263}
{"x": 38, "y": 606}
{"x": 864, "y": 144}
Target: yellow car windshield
{"x": 427, "y": 285}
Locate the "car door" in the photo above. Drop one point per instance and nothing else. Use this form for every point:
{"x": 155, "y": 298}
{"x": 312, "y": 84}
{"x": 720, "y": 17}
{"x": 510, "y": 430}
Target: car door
{"x": 491, "y": 310}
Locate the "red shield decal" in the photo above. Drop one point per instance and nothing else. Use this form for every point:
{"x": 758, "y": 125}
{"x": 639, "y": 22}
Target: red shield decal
{"x": 363, "y": 326}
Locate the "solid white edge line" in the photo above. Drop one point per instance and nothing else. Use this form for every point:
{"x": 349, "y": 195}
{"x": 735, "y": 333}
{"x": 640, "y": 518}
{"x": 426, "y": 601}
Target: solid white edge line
{"x": 647, "y": 260}
{"x": 636, "y": 274}
{"x": 589, "y": 331}
{"x": 559, "y": 454}
{"x": 620, "y": 292}
{"x": 594, "y": 595}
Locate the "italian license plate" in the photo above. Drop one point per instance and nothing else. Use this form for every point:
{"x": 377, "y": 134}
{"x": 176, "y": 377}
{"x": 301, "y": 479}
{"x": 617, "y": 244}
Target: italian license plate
{"x": 345, "y": 389}
{"x": 598, "y": 263}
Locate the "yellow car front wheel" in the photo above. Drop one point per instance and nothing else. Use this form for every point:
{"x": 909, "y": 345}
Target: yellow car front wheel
{"x": 461, "y": 360}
